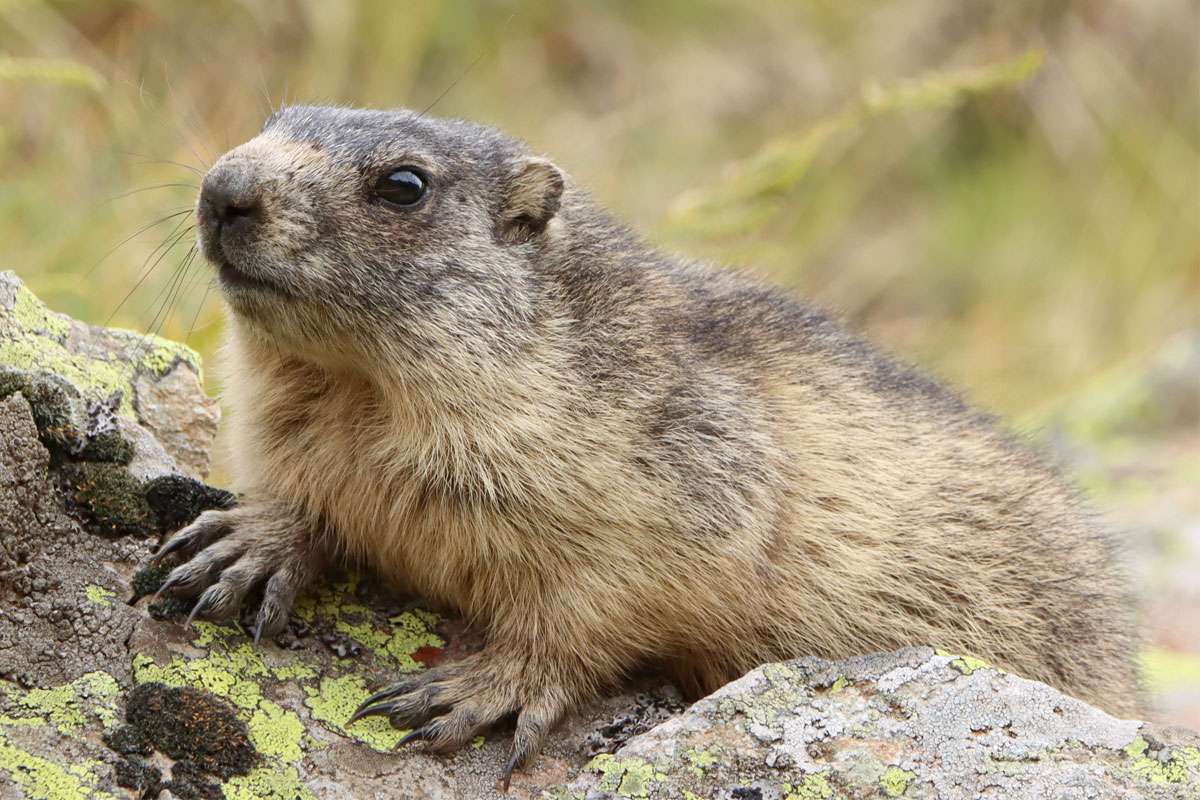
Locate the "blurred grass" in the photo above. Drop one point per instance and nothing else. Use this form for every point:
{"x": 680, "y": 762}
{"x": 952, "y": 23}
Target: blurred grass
{"x": 1017, "y": 231}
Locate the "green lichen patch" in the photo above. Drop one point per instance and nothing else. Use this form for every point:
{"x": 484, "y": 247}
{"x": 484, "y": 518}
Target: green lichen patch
{"x": 230, "y": 671}
{"x": 701, "y": 758}
{"x": 99, "y": 595}
{"x": 895, "y": 781}
{"x": 268, "y": 783}
{"x": 784, "y": 690}
{"x": 1180, "y": 765}
{"x": 234, "y": 669}
{"x": 68, "y": 707}
{"x": 277, "y": 732}
{"x": 337, "y": 698}
{"x": 815, "y": 786}
{"x": 626, "y": 777}
{"x": 35, "y": 339}
{"x": 392, "y": 644}
{"x": 34, "y": 316}
{"x": 37, "y": 778}
{"x": 964, "y": 663}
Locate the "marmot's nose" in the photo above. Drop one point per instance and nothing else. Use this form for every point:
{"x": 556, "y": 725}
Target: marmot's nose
{"x": 230, "y": 198}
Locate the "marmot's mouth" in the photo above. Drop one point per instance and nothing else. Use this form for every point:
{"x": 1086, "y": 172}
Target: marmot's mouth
{"x": 232, "y": 277}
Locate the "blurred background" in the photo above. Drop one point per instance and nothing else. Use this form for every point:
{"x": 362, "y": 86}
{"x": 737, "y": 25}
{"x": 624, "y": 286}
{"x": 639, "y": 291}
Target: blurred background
{"x": 1006, "y": 193}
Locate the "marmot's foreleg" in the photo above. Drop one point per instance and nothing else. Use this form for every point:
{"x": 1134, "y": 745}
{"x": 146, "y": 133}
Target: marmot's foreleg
{"x": 235, "y": 551}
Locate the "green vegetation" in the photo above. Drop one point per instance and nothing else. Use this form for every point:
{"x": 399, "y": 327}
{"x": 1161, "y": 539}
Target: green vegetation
{"x": 1018, "y": 229}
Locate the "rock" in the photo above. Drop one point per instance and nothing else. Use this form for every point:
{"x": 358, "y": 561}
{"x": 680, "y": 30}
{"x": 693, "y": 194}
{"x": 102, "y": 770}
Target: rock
{"x": 89, "y": 386}
{"x": 62, "y": 613}
{"x": 105, "y": 694}
{"x": 914, "y": 723}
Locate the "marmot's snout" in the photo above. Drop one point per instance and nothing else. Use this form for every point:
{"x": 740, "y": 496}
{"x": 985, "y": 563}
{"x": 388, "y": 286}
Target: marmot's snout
{"x": 230, "y": 202}
{"x": 230, "y": 213}
{"x": 249, "y": 221}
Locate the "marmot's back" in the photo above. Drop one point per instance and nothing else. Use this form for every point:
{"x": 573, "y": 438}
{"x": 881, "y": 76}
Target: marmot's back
{"x": 904, "y": 515}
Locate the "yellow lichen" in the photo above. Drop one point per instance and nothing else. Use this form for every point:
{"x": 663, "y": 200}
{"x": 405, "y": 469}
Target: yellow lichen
{"x": 99, "y": 595}
{"x": 1173, "y": 769}
{"x": 964, "y": 663}
{"x": 31, "y": 338}
{"x": 627, "y": 777}
{"x": 813, "y": 787}
{"x": 67, "y": 706}
{"x": 39, "y": 779}
{"x": 337, "y": 698}
{"x": 895, "y": 781}
{"x": 268, "y": 783}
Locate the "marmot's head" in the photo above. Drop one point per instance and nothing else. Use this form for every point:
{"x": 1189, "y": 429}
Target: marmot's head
{"x": 340, "y": 232}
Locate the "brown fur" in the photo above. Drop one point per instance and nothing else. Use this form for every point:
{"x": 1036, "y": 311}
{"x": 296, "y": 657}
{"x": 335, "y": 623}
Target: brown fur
{"x": 604, "y": 456}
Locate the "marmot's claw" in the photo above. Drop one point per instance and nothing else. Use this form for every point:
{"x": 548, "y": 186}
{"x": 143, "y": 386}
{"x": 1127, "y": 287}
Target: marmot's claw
{"x": 237, "y": 551}
{"x": 204, "y": 530}
{"x": 408, "y": 709}
{"x": 418, "y": 734}
{"x": 469, "y": 696}
{"x": 506, "y": 776}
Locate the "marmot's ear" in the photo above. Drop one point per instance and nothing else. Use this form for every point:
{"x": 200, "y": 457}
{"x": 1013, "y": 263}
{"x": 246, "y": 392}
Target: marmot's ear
{"x": 531, "y": 200}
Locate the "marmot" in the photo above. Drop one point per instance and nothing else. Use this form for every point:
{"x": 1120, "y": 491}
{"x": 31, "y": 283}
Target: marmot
{"x": 448, "y": 364}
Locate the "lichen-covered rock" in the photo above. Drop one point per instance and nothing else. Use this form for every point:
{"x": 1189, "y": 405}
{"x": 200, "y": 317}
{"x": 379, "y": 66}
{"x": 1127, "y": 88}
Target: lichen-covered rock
{"x": 62, "y": 613}
{"x": 105, "y": 693}
{"x": 82, "y": 380}
{"x": 915, "y": 723}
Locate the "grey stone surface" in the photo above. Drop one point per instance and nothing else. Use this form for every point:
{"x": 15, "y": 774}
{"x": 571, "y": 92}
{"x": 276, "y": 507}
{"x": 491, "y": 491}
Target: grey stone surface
{"x": 912, "y": 723}
{"x": 61, "y": 609}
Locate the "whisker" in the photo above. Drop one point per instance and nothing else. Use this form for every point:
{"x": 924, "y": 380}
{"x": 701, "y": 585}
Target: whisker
{"x": 191, "y": 118}
{"x": 483, "y": 52}
{"x": 137, "y": 233}
{"x": 163, "y": 161}
{"x": 152, "y": 188}
{"x": 171, "y": 291}
{"x": 199, "y": 308}
{"x": 173, "y": 239}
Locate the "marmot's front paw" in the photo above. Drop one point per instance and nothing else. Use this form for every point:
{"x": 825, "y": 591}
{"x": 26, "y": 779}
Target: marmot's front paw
{"x": 447, "y": 706}
{"x": 234, "y": 551}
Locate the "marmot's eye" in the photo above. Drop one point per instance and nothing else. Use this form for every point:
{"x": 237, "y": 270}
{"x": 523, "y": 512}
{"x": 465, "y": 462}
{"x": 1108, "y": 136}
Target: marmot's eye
{"x": 404, "y": 187}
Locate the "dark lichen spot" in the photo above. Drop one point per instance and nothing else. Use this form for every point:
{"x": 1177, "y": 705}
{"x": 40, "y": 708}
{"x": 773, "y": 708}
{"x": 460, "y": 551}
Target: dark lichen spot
{"x": 650, "y": 710}
{"x": 108, "y": 499}
{"x": 746, "y": 793}
{"x": 148, "y": 579}
{"x": 168, "y": 608}
{"x": 178, "y": 499}
{"x": 341, "y": 645}
{"x": 200, "y": 732}
{"x": 189, "y": 782}
{"x": 109, "y": 446}
{"x": 128, "y": 741}
{"x": 134, "y": 773}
